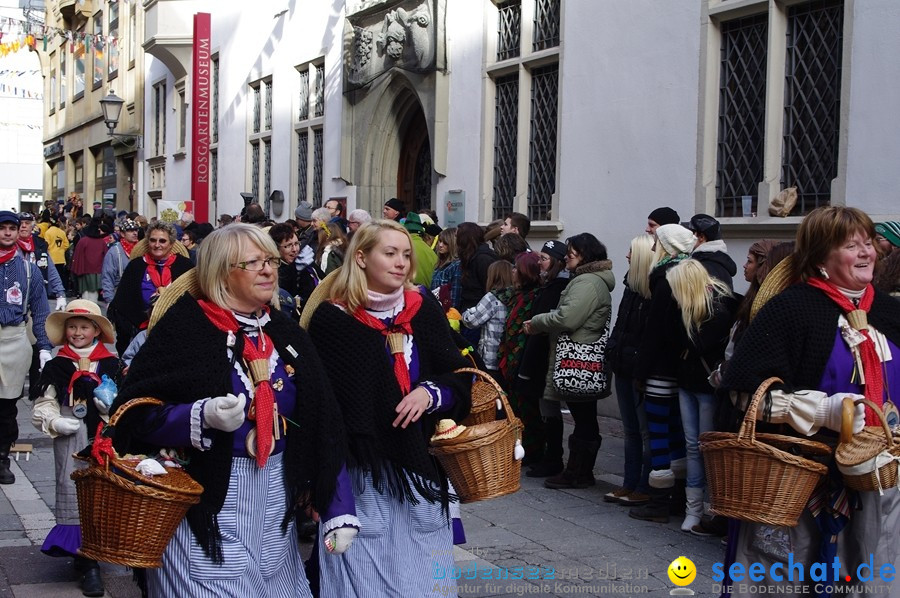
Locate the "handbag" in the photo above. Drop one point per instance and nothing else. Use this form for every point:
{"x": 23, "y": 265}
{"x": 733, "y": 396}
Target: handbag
{"x": 579, "y": 369}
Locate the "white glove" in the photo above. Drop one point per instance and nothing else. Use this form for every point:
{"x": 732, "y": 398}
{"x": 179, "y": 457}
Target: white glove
{"x": 225, "y": 413}
{"x": 337, "y": 541}
{"x": 829, "y": 412}
{"x": 102, "y": 407}
{"x": 44, "y": 357}
{"x": 65, "y": 426}
{"x": 60, "y": 303}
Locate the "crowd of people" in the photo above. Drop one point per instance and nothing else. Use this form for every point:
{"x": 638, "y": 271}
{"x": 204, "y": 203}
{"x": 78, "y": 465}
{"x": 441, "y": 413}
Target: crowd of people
{"x": 257, "y": 396}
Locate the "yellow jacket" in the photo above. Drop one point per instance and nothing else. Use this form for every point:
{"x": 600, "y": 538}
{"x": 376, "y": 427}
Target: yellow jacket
{"x": 58, "y": 242}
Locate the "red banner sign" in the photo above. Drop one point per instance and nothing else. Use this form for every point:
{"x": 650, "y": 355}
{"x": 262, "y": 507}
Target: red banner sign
{"x": 201, "y": 103}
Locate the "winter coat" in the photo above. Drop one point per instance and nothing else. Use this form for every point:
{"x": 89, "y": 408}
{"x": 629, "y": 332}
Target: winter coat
{"x": 659, "y": 350}
{"x": 699, "y": 356}
{"x": 585, "y": 307}
{"x": 474, "y": 277}
{"x": 631, "y": 321}
{"x": 714, "y": 257}
{"x": 536, "y": 357}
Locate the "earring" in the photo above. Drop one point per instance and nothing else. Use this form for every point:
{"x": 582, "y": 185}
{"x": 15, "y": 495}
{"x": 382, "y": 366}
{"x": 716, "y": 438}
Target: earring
{"x": 823, "y": 272}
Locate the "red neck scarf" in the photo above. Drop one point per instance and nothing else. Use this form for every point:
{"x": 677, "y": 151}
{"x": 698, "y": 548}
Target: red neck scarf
{"x": 257, "y": 359}
{"x": 7, "y": 254}
{"x": 163, "y": 279}
{"x": 83, "y": 364}
{"x": 26, "y": 245}
{"x": 127, "y": 246}
{"x": 856, "y": 315}
{"x": 394, "y": 331}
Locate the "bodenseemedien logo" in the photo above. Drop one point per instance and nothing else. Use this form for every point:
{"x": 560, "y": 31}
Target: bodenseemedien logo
{"x": 682, "y": 572}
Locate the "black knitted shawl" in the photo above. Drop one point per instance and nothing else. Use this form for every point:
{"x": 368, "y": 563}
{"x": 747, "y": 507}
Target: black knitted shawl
{"x": 792, "y": 338}
{"x": 184, "y": 360}
{"x": 362, "y": 375}
{"x": 57, "y": 374}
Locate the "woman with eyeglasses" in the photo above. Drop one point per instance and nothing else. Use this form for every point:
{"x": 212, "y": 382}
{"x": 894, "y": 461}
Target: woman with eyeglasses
{"x": 145, "y": 275}
{"x": 298, "y": 273}
{"x": 245, "y": 398}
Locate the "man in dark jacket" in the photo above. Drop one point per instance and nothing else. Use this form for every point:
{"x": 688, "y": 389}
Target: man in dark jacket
{"x": 710, "y": 249}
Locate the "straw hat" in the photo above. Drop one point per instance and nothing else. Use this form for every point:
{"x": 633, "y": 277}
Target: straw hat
{"x": 447, "y": 429}
{"x": 186, "y": 283}
{"x": 82, "y": 308}
{"x": 140, "y": 249}
{"x": 778, "y": 279}
{"x": 320, "y": 294}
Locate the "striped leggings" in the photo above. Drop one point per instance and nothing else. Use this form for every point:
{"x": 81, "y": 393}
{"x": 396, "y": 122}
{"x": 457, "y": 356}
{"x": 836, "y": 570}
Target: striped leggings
{"x": 664, "y": 422}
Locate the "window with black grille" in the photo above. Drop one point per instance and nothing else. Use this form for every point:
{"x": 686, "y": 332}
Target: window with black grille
{"x": 509, "y": 34}
{"x": 812, "y": 96}
{"x": 310, "y": 133}
{"x": 302, "y": 163}
{"x": 505, "y": 143}
{"x": 546, "y": 24}
{"x": 542, "y": 143}
{"x": 742, "y": 112}
{"x": 317, "y": 167}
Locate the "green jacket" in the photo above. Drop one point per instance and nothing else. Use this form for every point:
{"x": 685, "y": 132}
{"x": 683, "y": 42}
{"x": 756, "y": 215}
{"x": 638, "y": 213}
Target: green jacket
{"x": 426, "y": 259}
{"x": 585, "y": 307}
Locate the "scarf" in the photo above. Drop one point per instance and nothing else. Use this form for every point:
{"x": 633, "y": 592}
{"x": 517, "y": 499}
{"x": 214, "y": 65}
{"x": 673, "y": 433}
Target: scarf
{"x": 160, "y": 279}
{"x": 26, "y": 245}
{"x": 83, "y": 364}
{"x": 521, "y": 307}
{"x": 873, "y": 379}
{"x": 7, "y": 254}
{"x": 262, "y": 407}
{"x": 394, "y": 332}
{"x": 127, "y": 246}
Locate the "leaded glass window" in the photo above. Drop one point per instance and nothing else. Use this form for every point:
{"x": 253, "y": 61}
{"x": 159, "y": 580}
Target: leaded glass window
{"x": 254, "y": 170}
{"x": 302, "y": 161}
{"x": 506, "y": 136}
{"x": 304, "y": 95}
{"x": 509, "y": 35}
{"x": 546, "y": 24}
{"x": 268, "y": 100}
{"x": 267, "y": 177}
{"x": 257, "y": 107}
{"x": 742, "y": 112}
{"x": 542, "y": 145}
{"x": 320, "y": 90}
{"x": 317, "y": 167}
{"x": 812, "y": 95}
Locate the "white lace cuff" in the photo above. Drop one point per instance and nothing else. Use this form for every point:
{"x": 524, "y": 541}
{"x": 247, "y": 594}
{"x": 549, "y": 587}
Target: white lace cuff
{"x": 435, "y": 394}
{"x": 340, "y": 521}
{"x": 198, "y": 440}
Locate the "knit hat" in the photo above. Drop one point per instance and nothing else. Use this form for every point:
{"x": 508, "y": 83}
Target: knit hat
{"x": 706, "y": 225}
{"x": 82, "y": 308}
{"x": 396, "y": 204}
{"x": 664, "y": 215}
{"x": 413, "y": 223}
{"x": 130, "y": 224}
{"x": 555, "y": 249}
{"x": 304, "y": 211}
{"x": 675, "y": 238}
{"x": 890, "y": 231}
{"x": 7, "y": 216}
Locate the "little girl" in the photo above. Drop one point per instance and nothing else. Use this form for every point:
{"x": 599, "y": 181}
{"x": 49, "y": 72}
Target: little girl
{"x": 67, "y": 411}
{"x": 490, "y": 312}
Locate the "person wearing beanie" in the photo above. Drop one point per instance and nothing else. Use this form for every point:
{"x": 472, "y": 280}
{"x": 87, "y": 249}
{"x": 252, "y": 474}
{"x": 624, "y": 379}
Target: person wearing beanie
{"x": 656, "y": 369}
{"x": 393, "y": 209}
{"x": 426, "y": 258}
{"x": 710, "y": 249}
{"x": 887, "y": 236}
{"x": 307, "y": 235}
{"x": 660, "y": 216}
{"x": 116, "y": 259}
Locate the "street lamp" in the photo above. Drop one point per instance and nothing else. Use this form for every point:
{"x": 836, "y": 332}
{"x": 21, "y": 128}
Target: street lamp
{"x": 112, "y": 110}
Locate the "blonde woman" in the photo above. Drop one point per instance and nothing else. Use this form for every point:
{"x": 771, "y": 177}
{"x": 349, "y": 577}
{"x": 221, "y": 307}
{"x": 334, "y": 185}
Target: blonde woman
{"x": 631, "y": 321}
{"x": 707, "y": 310}
{"x": 401, "y": 383}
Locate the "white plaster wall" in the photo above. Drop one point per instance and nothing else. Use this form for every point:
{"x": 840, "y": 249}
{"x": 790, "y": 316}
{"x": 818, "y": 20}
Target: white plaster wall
{"x": 873, "y": 144}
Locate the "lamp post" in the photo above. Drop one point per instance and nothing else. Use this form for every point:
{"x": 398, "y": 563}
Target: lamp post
{"x": 112, "y": 110}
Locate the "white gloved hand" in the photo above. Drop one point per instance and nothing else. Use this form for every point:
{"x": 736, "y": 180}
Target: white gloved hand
{"x": 829, "y": 412}
{"x": 44, "y": 357}
{"x": 60, "y": 303}
{"x": 65, "y": 426}
{"x": 102, "y": 407}
{"x": 337, "y": 541}
{"x": 225, "y": 413}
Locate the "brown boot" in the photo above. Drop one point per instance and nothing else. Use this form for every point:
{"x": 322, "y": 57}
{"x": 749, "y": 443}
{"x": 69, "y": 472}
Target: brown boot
{"x": 579, "y": 471}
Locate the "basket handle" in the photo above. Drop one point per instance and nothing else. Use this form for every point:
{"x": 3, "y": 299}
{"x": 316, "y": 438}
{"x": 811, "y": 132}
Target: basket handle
{"x": 132, "y": 403}
{"x": 748, "y": 427}
{"x": 848, "y": 407}
{"x": 488, "y": 378}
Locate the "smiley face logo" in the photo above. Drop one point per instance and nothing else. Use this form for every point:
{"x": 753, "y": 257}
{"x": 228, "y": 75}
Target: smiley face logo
{"x": 682, "y": 571}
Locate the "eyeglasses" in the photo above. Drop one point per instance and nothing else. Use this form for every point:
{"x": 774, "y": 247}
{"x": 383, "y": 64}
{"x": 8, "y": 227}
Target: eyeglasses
{"x": 290, "y": 245}
{"x": 257, "y": 265}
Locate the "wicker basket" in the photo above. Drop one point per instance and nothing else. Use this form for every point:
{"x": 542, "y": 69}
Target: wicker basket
{"x": 126, "y": 517}
{"x": 480, "y": 461}
{"x": 868, "y": 460}
{"x": 760, "y": 477}
{"x": 485, "y": 393}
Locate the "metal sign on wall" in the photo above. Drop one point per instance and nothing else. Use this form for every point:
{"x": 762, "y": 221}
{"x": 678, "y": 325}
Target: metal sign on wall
{"x": 200, "y": 113}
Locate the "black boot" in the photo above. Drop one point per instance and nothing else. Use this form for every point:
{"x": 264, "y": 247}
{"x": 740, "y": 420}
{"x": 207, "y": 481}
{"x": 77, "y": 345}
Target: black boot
{"x": 679, "y": 498}
{"x": 6, "y": 476}
{"x": 552, "y": 463}
{"x": 91, "y": 580}
{"x": 579, "y": 471}
{"x": 657, "y": 509}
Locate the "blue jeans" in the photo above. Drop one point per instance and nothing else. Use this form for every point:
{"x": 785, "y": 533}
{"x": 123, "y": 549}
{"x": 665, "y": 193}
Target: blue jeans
{"x": 637, "y": 436}
{"x": 698, "y": 411}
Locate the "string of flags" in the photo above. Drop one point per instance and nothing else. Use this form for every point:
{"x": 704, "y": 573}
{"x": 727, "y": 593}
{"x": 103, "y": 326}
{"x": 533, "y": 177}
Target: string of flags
{"x": 20, "y": 92}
